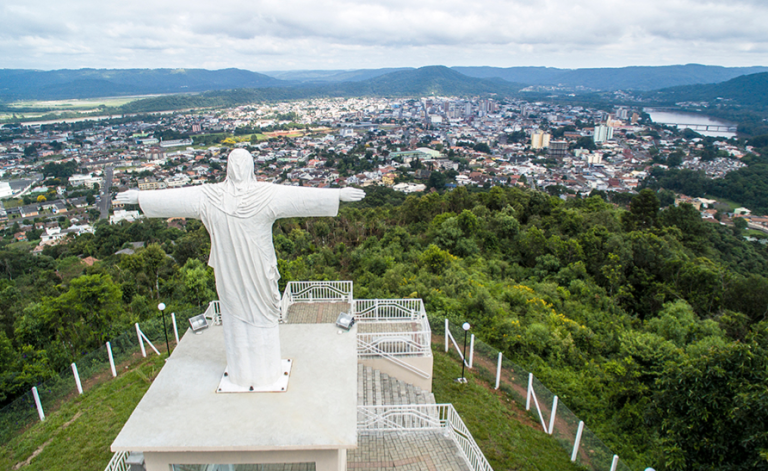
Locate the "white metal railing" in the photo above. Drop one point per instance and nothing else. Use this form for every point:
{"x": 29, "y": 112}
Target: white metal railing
{"x": 315, "y": 292}
{"x": 393, "y": 312}
{"x": 372, "y": 349}
{"x": 398, "y": 337}
{"x": 413, "y": 417}
{"x": 117, "y": 463}
{"x": 393, "y": 343}
{"x": 213, "y": 312}
{"x": 388, "y": 309}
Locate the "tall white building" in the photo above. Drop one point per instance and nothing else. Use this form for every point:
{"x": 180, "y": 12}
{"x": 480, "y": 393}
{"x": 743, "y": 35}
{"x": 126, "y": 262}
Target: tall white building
{"x": 603, "y": 133}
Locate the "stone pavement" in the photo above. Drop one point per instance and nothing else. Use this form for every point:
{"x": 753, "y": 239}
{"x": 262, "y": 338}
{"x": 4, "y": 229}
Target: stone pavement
{"x": 315, "y": 313}
{"x": 427, "y": 450}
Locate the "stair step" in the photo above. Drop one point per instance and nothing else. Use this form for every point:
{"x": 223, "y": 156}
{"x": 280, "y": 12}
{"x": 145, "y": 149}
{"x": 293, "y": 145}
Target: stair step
{"x": 377, "y": 387}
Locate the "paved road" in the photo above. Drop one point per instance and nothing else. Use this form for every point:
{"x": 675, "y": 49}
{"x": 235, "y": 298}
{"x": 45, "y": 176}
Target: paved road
{"x": 106, "y": 195}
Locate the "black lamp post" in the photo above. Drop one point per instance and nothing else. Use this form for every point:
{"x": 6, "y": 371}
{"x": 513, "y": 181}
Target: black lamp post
{"x": 466, "y": 327}
{"x": 161, "y": 306}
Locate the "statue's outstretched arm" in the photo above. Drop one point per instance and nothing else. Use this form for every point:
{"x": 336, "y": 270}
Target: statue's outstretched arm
{"x": 351, "y": 194}
{"x": 128, "y": 197}
{"x": 177, "y": 202}
{"x": 293, "y": 201}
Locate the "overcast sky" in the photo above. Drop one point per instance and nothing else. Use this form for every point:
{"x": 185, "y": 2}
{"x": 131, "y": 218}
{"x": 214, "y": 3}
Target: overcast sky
{"x": 264, "y": 35}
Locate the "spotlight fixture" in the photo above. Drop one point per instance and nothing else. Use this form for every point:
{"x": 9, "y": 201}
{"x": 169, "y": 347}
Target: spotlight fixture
{"x": 198, "y": 323}
{"x": 345, "y": 321}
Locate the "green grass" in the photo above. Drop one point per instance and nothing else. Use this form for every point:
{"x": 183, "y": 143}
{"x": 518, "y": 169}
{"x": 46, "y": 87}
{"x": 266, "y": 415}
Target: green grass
{"x": 82, "y": 429}
{"x": 731, "y": 204}
{"x": 23, "y": 246}
{"x": 13, "y": 203}
{"x": 755, "y": 233}
{"x": 77, "y": 104}
{"x": 499, "y": 425}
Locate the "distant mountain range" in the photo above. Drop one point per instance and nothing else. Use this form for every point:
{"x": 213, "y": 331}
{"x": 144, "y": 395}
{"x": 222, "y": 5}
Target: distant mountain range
{"x": 16, "y": 84}
{"x": 434, "y": 80}
{"x": 624, "y": 78}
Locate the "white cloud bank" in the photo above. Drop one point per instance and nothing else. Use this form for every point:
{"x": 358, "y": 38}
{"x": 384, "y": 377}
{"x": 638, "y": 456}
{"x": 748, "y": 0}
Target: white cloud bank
{"x": 344, "y": 34}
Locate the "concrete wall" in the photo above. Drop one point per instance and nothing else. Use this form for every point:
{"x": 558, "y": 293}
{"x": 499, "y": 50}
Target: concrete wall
{"x": 325, "y": 460}
{"x": 397, "y": 371}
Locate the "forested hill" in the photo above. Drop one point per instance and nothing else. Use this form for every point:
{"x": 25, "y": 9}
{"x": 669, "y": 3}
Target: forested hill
{"x": 648, "y": 322}
{"x": 619, "y": 78}
{"x": 19, "y": 84}
{"x": 748, "y": 91}
{"x": 88, "y": 83}
{"x": 426, "y": 81}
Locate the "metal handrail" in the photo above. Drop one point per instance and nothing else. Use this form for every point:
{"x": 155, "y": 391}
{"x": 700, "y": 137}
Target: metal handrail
{"x": 373, "y": 350}
{"x": 117, "y": 463}
{"x": 388, "y": 309}
{"x": 213, "y": 312}
{"x": 413, "y": 417}
{"x": 314, "y": 292}
{"x": 405, "y": 343}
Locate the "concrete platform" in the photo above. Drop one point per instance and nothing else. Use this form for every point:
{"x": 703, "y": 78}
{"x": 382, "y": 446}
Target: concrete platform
{"x": 181, "y": 412}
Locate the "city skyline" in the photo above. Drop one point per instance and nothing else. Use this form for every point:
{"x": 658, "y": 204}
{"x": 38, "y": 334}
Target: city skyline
{"x": 268, "y": 36}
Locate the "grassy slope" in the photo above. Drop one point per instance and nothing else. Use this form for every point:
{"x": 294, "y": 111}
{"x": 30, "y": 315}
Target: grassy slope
{"x": 83, "y": 429}
{"x": 78, "y": 435}
{"x": 503, "y": 430}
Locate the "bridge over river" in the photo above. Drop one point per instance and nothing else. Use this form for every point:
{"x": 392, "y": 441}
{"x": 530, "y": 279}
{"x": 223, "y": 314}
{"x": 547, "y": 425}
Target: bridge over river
{"x": 704, "y": 127}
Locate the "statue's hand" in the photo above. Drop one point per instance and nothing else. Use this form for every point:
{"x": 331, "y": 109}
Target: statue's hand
{"x": 351, "y": 194}
{"x": 128, "y": 197}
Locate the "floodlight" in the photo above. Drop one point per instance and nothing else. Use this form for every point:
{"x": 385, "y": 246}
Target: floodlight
{"x": 198, "y": 323}
{"x": 345, "y": 321}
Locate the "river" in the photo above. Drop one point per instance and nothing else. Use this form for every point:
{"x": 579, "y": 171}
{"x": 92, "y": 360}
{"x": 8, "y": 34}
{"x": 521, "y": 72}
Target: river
{"x": 681, "y": 119}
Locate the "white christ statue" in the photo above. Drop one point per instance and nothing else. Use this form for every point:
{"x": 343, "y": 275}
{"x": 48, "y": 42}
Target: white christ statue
{"x": 239, "y": 213}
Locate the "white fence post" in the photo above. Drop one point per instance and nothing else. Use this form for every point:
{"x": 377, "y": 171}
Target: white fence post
{"x": 530, "y": 389}
{"x": 142, "y": 336}
{"x": 446, "y": 335}
{"x": 175, "y": 329}
{"x": 498, "y": 372}
{"x": 141, "y": 341}
{"x": 39, "y": 405}
{"x": 577, "y": 441}
{"x": 77, "y": 379}
{"x": 471, "y": 350}
{"x": 552, "y": 415}
{"x": 615, "y": 462}
{"x": 111, "y": 360}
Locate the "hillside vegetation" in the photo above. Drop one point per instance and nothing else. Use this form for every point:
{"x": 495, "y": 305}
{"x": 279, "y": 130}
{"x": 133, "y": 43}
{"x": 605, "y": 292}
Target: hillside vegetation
{"x": 649, "y": 324}
{"x": 83, "y": 429}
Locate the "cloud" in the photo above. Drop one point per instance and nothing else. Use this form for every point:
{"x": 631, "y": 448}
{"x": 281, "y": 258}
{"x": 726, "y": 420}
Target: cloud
{"x": 284, "y": 34}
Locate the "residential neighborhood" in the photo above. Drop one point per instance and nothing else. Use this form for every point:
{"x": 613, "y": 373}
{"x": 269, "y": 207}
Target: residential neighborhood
{"x": 53, "y": 175}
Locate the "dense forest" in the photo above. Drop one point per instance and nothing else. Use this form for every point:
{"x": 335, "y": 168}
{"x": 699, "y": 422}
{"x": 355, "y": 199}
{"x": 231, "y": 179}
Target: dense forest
{"x": 650, "y": 324}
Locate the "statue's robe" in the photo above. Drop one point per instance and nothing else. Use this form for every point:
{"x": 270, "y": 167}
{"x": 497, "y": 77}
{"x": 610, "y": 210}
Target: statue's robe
{"x": 244, "y": 262}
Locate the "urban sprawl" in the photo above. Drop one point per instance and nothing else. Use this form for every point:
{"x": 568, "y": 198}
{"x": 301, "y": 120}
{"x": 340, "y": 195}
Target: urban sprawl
{"x": 59, "y": 179}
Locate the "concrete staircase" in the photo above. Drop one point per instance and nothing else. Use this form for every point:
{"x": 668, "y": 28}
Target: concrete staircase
{"x": 375, "y": 388}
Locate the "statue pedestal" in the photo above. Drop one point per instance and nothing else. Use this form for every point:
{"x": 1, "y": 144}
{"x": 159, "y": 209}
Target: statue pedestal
{"x": 281, "y": 385}
{"x": 183, "y": 420}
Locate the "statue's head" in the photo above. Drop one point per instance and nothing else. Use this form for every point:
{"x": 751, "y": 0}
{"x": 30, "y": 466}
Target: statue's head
{"x": 240, "y": 166}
